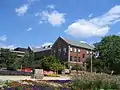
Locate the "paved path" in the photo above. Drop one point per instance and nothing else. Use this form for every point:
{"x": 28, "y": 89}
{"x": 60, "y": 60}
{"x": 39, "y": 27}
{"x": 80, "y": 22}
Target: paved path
{"x": 15, "y": 78}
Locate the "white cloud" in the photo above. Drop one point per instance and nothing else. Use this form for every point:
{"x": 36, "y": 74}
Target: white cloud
{"x": 22, "y": 10}
{"x": 40, "y": 22}
{"x": 97, "y": 26}
{"x": 55, "y": 18}
{"x": 37, "y": 14}
{"x": 90, "y": 15}
{"x": 83, "y": 42}
{"x": 51, "y": 6}
{"x": 31, "y": 1}
{"x": 118, "y": 33}
{"x": 7, "y": 46}
{"x": 47, "y": 43}
{"x": 29, "y": 29}
{"x": 51, "y": 16}
{"x": 3, "y": 38}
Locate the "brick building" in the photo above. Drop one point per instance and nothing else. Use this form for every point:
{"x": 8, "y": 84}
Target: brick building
{"x": 71, "y": 51}
{"x": 65, "y": 50}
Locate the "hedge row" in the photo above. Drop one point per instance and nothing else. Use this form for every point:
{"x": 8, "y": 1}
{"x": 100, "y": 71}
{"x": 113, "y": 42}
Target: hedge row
{"x": 15, "y": 73}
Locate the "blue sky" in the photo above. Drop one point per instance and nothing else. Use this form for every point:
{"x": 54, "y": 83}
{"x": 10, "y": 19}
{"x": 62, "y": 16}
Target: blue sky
{"x": 38, "y": 22}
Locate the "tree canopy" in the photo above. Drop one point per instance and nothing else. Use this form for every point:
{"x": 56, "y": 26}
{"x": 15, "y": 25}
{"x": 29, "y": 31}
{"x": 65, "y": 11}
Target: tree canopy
{"x": 109, "y": 54}
{"x": 10, "y": 59}
{"x": 7, "y": 58}
{"x": 51, "y": 63}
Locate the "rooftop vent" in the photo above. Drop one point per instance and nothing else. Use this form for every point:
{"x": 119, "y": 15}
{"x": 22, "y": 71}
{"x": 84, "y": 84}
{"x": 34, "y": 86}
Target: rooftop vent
{"x": 44, "y": 47}
{"x": 49, "y": 46}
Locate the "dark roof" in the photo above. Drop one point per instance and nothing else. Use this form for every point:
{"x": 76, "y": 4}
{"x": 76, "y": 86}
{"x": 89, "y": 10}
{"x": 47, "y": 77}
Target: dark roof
{"x": 42, "y": 48}
{"x": 21, "y": 49}
{"x": 78, "y": 43}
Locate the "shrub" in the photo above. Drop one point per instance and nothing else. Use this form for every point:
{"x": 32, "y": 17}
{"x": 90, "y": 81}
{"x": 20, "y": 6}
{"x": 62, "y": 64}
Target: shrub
{"x": 52, "y": 75}
{"x": 95, "y": 82}
{"x": 15, "y": 73}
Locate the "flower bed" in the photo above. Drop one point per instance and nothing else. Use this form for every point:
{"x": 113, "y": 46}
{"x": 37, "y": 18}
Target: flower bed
{"x": 28, "y": 87}
{"x": 60, "y": 81}
{"x": 32, "y": 85}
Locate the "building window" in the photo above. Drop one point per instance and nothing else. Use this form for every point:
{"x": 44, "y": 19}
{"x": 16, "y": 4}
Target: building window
{"x": 49, "y": 46}
{"x": 83, "y": 55}
{"x": 75, "y": 50}
{"x": 78, "y": 50}
{"x": 75, "y": 59}
{"x": 71, "y": 49}
{"x": 64, "y": 50}
{"x": 87, "y": 52}
{"x": 79, "y": 59}
{"x": 91, "y": 52}
{"x": 59, "y": 50}
{"x": 70, "y": 58}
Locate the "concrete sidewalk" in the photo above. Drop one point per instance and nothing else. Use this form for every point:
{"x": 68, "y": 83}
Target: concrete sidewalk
{"x": 16, "y": 78}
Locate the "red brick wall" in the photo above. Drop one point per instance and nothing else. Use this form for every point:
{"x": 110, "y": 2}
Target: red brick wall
{"x": 60, "y": 44}
{"x": 77, "y": 54}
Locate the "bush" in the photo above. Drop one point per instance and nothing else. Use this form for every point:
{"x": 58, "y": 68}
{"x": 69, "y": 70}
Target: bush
{"x": 52, "y": 75}
{"x": 95, "y": 82}
{"x": 15, "y": 73}
{"x": 77, "y": 67}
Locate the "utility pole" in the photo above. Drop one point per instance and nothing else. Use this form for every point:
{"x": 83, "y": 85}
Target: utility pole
{"x": 91, "y": 60}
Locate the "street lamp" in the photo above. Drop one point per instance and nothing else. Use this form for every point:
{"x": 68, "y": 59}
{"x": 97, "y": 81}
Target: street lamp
{"x": 91, "y": 60}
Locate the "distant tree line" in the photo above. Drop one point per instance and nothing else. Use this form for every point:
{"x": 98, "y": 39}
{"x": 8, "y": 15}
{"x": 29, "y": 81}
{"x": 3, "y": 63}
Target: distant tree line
{"x": 10, "y": 60}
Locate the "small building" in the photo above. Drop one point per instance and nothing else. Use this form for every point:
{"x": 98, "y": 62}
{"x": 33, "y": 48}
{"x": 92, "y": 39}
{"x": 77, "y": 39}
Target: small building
{"x": 20, "y": 51}
{"x": 42, "y": 51}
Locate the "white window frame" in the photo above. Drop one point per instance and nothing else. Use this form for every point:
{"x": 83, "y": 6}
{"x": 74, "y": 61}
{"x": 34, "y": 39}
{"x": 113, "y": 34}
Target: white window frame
{"x": 87, "y": 52}
{"x": 91, "y": 52}
{"x": 71, "y": 49}
{"x": 75, "y": 50}
{"x": 79, "y": 50}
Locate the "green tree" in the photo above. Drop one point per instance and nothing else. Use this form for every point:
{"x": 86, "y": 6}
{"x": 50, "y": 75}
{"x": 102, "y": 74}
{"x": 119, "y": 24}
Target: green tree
{"x": 57, "y": 67}
{"x": 7, "y": 58}
{"x": 31, "y": 57}
{"x": 28, "y": 59}
{"x": 25, "y": 60}
{"x": 51, "y": 63}
{"x": 97, "y": 64}
{"x": 109, "y": 53}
